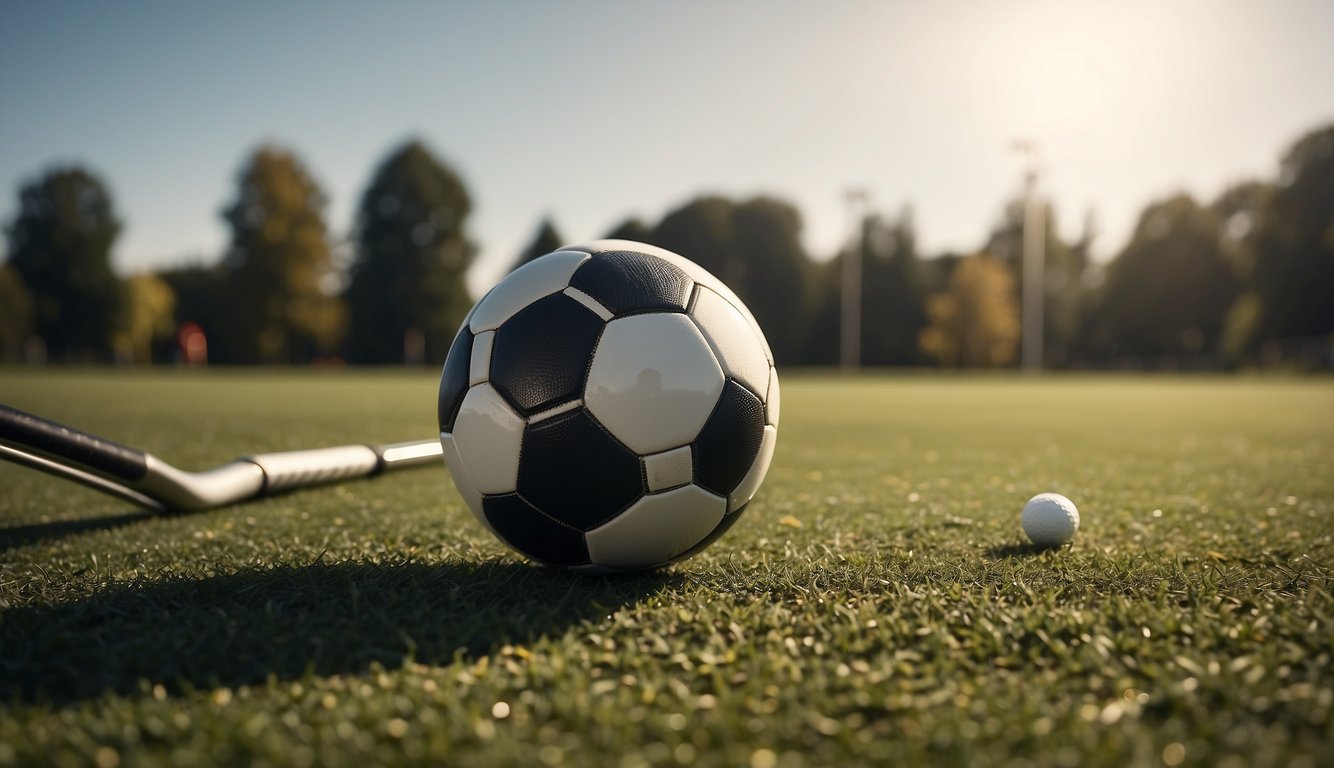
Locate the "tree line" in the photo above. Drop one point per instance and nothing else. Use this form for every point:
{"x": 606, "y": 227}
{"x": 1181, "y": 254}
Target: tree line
{"x": 1243, "y": 279}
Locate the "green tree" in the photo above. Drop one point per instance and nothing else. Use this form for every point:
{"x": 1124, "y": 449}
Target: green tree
{"x": 1292, "y": 273}
{"x": 820, "y": 342}
{"x": 148, "y": 316}
{"x": 1167, "y": 293}
{"x": 701, "y": 230}
{"x": 15, "y": 314}
{"x": 974, "y": 322}
{"x": 775, "y": 272}
{"x": 545, "y": 240}
{"x": 631, "y": 229}
{"x": 893, "y": 294}
{"x": 1238, "y": 210}
{"x": 755, "y": 248}
{"x": 60, "y": 245}
{"x": 279, "y": 263}
{"x": 407, "y": 294}
{"x": 893, "y": 314}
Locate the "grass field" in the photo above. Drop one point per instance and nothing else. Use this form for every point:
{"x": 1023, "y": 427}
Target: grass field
{"x": 875, "y": 605}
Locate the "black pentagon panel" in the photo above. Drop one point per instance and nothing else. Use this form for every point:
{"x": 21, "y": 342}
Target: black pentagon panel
{"x": 540, "y": 357}
{"x": 454, "y": 379}
{"x": 573, "y": 470}
{"x": 730, "y": 440}
{"x": 533, "y": 533}
{"x": 628, "y": 281}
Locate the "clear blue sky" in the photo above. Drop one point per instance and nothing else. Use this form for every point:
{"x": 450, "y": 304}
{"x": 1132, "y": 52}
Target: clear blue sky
{"x": 593, "y": 111}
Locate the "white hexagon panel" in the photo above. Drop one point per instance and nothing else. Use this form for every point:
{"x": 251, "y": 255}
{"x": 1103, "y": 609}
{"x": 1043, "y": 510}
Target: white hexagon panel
{"x": 772, "y": 400}
{"x": 525, "y": 285}
{"x": 487, "y": 435}
{"x": 744, "y": 492}
{"x": 471, "y": 496}
{"x": 733, "y": 340}
{"x": 656, "y": 528}
{"x": 654, "y": 381}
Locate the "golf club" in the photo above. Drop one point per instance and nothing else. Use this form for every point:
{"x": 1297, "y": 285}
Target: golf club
{"x": 150, "y": 482}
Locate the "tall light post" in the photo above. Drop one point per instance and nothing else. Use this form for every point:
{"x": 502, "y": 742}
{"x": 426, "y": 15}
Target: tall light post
{"x": 1034, "y": 254}
{"x": 850, "y": 325}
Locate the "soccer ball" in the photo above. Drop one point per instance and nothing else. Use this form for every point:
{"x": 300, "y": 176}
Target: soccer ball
{"x": 609, "y": 406}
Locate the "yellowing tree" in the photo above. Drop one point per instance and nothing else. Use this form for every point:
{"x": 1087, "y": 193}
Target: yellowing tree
{"x": 278, "y": 263}
{"x": 974, "y": 322}
{"x": 15, "y": 314}
{"x": 149, "y": 314}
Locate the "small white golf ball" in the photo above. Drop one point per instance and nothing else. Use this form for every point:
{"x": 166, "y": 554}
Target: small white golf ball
{"x": 1050, "y": 519}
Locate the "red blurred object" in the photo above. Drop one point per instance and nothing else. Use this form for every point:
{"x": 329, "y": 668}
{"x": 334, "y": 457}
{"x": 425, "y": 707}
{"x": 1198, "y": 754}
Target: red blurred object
{"x": 192, "y": 343}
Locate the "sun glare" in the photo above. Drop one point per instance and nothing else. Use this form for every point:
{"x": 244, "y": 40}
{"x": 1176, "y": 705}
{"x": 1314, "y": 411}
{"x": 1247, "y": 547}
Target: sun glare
{"x": 1065, "y": 90}
{"x": 1061, "y": 68}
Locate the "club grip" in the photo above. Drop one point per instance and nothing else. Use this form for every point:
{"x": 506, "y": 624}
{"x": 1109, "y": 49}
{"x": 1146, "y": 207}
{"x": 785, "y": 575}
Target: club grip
{"x": 286, "y": 470}
{"x": 58, "y": 441}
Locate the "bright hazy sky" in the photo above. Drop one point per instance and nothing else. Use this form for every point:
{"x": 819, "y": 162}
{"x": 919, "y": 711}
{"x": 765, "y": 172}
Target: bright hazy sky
{"x": 594, "y": 111}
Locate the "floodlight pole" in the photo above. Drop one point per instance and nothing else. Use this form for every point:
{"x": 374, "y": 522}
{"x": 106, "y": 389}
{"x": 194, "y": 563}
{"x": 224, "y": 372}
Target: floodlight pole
{"x": 850, "y": 326}
{"x": 1035, "y": 237}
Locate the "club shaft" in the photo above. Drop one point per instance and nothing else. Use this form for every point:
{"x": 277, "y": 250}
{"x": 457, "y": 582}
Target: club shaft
{"x": 69, "y": 445}
{"x": 74, "y": 474}
{"x": 153, "y": 483}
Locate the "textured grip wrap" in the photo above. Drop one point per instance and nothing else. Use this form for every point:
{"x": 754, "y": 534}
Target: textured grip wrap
{"x": 295, "y": 469}
{"x": 58, "y": 441}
